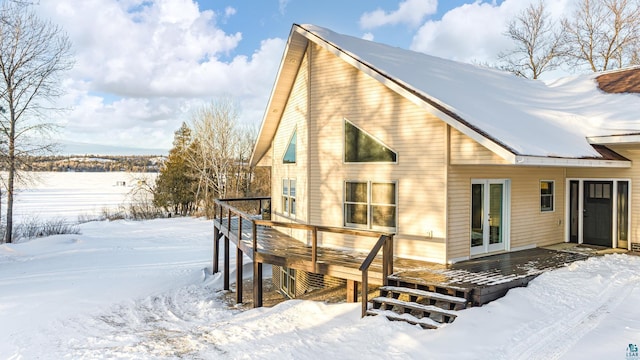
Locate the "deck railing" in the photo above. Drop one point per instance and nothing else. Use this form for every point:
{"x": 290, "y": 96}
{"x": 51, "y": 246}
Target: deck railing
{"x": 386, "y": 243}
{"x": 385, "y": 240}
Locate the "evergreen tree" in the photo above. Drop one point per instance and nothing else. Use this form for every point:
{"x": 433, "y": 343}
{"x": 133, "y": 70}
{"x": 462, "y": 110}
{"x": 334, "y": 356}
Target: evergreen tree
{"x": 175, "y": 186}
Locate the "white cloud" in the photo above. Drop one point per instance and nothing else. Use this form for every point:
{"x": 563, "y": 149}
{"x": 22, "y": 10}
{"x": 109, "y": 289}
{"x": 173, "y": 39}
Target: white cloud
{"x": 142, "y": 66}
{"x": 474, "y": 32}
{"x": 229, "y": 11}
{"x": 410, "y": 12}
{"x": 282, "y": 5}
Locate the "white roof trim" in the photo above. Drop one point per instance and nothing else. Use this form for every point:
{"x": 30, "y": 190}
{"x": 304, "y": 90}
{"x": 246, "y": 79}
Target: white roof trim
{"x": 614, "y": 139}
{"x": 393, "y": 85}
{"x": 262, "y": 145}
{"x": 569, "y": 162}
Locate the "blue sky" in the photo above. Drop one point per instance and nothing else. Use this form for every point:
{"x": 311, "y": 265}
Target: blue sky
{"x": 144, "y": 66}
{"x": 257, "y": 20}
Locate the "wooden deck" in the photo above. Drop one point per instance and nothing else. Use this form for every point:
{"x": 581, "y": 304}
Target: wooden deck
{"x": 277, "y": 248}
{"x": 479, "y": 280}
{"x": 490, "y": 277}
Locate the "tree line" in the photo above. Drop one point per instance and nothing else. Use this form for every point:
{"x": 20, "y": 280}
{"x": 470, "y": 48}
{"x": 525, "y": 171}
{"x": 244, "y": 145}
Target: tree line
{"x": 209, "y": 160}
{"x": 92, "y": 163}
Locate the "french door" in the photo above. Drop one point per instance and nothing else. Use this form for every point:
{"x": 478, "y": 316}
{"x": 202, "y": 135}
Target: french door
{"x": 489, "y": 215}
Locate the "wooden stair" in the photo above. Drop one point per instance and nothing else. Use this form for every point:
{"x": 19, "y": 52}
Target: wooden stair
{"x": 426, "y": 305}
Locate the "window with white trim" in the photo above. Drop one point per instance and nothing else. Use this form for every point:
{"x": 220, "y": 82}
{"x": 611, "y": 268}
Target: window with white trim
{"x": 370, "y": 205}
{"x": 288, "y": 281}
{"x": 289, "y": 197}
{"x": 547, "y": 189}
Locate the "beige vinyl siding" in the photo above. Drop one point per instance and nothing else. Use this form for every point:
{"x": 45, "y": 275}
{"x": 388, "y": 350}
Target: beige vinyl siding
{"x": 466, "y": 151}
{"x": 338, "y": 91}
{"x": 529, "y": 226}
{"x": 631, "y": 152}
{"x": 294, "y": 118}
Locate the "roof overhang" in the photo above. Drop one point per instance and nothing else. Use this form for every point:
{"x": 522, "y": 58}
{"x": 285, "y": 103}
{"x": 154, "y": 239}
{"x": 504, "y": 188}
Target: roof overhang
{"x": 614, "y": 139}
{"x": 570, "y": 162}
{"x": 289, "y": 65}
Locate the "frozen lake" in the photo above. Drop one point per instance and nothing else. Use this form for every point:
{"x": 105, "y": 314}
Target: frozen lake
{"x": 69, "y": 195}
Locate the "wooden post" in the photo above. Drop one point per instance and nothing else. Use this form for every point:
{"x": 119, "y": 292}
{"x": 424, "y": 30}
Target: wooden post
{"x": 257, "y": 284}
{"x": 254, "y": 232}
{"x": 238, "y": 276}
{"x": 352, "y": 291}
{"x": 225, "y": 285}
{"x": 385, "y": 261}
{"x": 239, "y": 264}
{"x": 390, "y": 255}
{"x": 314, "y": 248}
{"x": 225, "y": 271}
{"x": 216, "y": 248}
{"x": 365, "y": 292}
{"x": 216, "y": 242}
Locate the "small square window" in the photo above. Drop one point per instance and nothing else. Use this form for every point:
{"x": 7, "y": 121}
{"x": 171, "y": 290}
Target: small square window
{"x": 546, "y": 195}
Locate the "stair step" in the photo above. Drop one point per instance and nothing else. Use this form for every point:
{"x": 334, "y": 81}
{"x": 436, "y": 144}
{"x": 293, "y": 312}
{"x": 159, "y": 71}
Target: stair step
{"x": 420, "y": 284}
{"x": 446, "y": 315}
{"x": 425, "y": 294}
{"x": 425, "y": 322}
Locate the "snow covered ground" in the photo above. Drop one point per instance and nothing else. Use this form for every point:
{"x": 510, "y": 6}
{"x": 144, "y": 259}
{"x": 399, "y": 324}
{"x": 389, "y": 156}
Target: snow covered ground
{"x": 132, "y": 290}
{"x": 68, "y": 195}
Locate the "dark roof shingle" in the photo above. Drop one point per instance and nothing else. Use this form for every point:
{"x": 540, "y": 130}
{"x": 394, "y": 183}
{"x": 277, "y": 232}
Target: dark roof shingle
{"x": 623, "y": 81}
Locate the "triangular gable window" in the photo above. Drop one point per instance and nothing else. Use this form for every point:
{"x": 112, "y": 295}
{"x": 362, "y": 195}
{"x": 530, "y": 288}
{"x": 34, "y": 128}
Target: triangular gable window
{"x": 362, "y": 147}
{"x": 290, "y": 154}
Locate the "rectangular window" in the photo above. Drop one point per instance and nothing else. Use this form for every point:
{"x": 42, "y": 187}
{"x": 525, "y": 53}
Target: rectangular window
{"x": 600, "y": 191}
{"x": 288, "y": 281}
{"x": 623, "y": 211}
{"x": 289, "y": 197}
{"x": 546, "y": 195}
{"x": 370, "y": 205}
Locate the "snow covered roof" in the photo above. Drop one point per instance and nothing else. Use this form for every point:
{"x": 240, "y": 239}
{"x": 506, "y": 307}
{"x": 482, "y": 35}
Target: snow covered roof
{"x": 526, "y": 118}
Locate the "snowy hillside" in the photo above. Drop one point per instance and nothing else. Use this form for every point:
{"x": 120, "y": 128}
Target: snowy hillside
{"x": 144, "y": 290}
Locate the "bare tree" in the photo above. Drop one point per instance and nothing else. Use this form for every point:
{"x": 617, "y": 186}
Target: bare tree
{"x": 33, "y": 54}
{"x": 538, "y": 45}
{"x": 247, "y": 136}
{"x": 215, "y": 142}
{"x": 604, "y": 34}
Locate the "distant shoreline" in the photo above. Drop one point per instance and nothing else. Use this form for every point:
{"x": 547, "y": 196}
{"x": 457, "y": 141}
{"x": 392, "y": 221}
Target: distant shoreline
{"x": 93, "y": 163}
